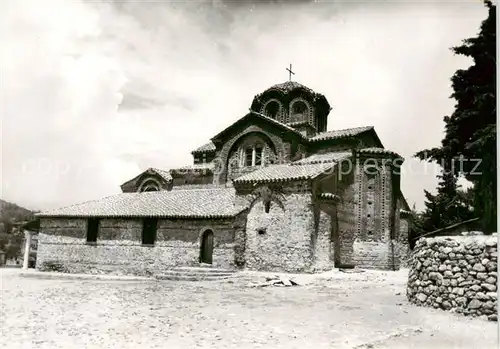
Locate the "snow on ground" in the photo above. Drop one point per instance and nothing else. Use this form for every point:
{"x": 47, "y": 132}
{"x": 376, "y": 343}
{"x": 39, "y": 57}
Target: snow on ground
{"x": 365, "y": 309}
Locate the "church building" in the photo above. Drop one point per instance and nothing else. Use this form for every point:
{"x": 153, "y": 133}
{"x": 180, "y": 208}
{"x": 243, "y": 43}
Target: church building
{"x": 275, "y": 191}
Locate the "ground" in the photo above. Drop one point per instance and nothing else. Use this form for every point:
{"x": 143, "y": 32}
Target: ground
{"x": 334, "y": 310}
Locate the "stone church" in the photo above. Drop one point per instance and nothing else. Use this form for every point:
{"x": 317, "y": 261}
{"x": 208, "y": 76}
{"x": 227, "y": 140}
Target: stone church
{"x": 275, "y": 191}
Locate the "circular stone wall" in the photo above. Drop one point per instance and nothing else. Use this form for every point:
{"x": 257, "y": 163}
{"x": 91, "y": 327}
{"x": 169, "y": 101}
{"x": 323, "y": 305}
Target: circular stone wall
{"x": 457, "y": 274}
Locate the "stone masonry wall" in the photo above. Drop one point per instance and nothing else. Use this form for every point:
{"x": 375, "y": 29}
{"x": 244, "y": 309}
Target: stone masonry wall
{"x": 323, "y": 249}
{"x": 119, "y": 248}
{"x": 281, "y": 239}
{"x": 403, "y": 242}
{"x": 457, "y": 274}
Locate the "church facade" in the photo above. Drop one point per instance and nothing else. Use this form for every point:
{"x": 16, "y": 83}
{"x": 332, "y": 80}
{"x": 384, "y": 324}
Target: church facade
{"x": 274, "y": 191}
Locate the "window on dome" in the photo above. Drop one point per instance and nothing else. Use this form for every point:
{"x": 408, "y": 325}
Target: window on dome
{"x": 272, "y": 109}
{"x": 299, "y": 107}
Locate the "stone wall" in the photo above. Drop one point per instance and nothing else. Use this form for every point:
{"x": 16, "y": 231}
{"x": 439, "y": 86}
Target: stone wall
{"x": 281, "y": 239}
{"x": 119, "y": 249}
{"x": 457, "y": 274}
{"x": 322, "y": 246}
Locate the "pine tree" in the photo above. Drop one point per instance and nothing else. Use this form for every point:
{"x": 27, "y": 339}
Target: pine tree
{"x": 450, "y": 205}
{"x": 470, "y": 132}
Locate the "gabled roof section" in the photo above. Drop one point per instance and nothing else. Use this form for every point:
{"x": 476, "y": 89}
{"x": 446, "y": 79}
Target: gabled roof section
{"x": 338, "y": 134}
{"x": 283, "y": 173}
{"x": 405, "y": 207}
{"x": 380, "y": 151}
{"x": 205, "y": 148}
{"x": 323, "y": 158}
{"x": 165, "y": 175}
{"x": 253, "y": 114}
{"x": 193, "y": 203}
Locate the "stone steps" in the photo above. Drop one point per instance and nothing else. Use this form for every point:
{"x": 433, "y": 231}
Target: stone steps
{"x": 195, "y": 274}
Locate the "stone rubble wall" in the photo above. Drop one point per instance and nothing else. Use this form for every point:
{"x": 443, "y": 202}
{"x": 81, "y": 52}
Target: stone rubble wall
{"x": 281, "y": 239}
{"x": 119, "y": 249}
{"x": 457, "y": 274}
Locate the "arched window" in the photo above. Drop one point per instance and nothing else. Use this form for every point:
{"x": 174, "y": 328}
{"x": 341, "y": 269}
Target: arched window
{"x": 152, "y": 188}
{"x": 299, "y": 107}
{"x": 272, "y": 109}
{"x": 149, "y": 185}
{"x": 298, "y": 111}
{"x": 267, "y": 206}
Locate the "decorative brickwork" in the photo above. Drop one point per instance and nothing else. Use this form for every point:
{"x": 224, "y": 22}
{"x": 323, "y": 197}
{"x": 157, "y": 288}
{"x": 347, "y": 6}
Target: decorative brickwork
{"x": 223, "y": 156}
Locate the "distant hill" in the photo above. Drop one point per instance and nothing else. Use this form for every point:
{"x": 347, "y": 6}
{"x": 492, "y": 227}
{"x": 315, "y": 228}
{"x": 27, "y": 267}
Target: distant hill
{"x": 13, "y": 212}
{"x": 10, "y": 237}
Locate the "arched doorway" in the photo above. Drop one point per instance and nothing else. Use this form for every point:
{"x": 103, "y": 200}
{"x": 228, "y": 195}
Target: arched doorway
{"x": 207, "y": 246}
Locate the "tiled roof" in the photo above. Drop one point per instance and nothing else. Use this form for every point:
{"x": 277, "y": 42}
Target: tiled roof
{"x": 194, "y": 203}
{"x": 322, "y": 158}
{"x": 202, "y": 166}
{"x": 263, "y": 117}
{"x": 289, "y": 86}
{"x": 282, "y": 173}
{"x": 163, "y": 174}
{"x": 379, "y": 151}
{"x": 205, "y": 148}
{"x": 336, "y": 134}
{"x": 405, "y": 213}
{"x": 276, "y": 122}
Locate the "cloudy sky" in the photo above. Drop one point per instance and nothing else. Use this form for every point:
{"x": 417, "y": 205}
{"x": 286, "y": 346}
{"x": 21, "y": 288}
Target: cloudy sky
{"x": 93, "y": 92}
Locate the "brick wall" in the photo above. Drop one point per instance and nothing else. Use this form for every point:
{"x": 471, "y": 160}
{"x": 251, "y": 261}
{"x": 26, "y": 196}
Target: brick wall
{"x": 119, "y": 251}
{"x": 347, "y": 218}
{"x": 370, "y": 245}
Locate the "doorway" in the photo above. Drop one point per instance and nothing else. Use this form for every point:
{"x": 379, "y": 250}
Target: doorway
{"x": 207, "y": 247}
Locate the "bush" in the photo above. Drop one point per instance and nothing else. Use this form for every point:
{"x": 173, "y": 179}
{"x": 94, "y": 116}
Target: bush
{"x": 53, "y": 266}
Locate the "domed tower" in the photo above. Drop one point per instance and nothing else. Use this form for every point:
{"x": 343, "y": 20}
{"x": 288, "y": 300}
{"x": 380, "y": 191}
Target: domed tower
{"x": 295, "y": 105}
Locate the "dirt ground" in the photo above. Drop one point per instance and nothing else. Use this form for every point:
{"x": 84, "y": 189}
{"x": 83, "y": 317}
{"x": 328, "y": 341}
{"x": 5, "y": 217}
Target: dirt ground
{"x": 333, "y": 310}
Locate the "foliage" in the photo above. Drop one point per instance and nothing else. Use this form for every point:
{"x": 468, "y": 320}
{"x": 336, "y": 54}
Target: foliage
{"x": 11, "y": 238}
{"x": 449, "y": 206}
{"x": 469, "y": 145}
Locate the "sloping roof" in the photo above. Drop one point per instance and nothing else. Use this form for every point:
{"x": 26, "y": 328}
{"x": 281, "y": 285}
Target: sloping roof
{"x": 375, "y": 150}
{"x": 322, "y": 158}
{"x": 202, "y": 166}
{"x": 193, "y": 203}
{"x": 471, "y": 223}
{"x": 205, "y": 148}
{"x": 282, "y": 173}
{"x": 162, "y": 173}
{"x": 337, "y": 134}
{"x": 265, "y": 118}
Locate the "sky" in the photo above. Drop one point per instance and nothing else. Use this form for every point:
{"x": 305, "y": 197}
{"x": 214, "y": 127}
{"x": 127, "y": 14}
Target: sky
{"x": 94, "y": 92}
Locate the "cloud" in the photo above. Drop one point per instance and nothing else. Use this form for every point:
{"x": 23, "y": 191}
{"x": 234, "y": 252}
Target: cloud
{"x": 96, "y": 91}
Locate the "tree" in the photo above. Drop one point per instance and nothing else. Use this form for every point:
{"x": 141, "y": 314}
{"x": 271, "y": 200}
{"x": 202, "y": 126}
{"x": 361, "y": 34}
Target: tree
{"x": 469, "y": 144}
{"x": 449, "y": 206}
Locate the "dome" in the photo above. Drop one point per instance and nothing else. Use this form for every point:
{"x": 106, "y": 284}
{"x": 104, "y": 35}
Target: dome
{"x": 290, "y": 103}
{"x": 289, "y": 86}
